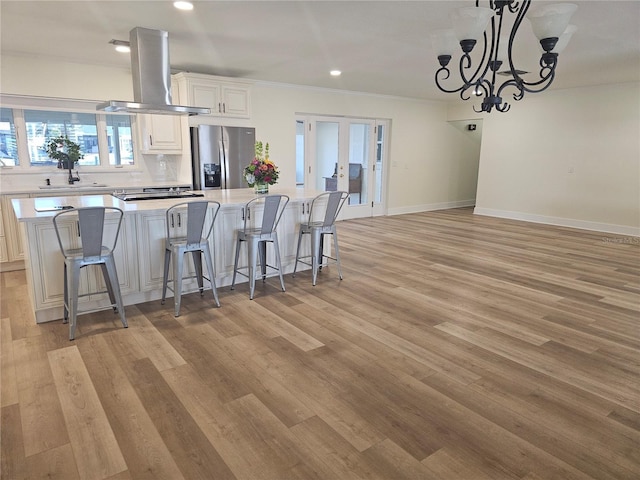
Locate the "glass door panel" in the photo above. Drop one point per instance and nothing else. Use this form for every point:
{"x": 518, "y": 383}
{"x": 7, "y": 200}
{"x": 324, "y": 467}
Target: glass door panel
{"x": 347, "y": 154}
{"x": 327, "y": 156}
{"x": 300, "y": 152}
{"x": 359, "y": 138}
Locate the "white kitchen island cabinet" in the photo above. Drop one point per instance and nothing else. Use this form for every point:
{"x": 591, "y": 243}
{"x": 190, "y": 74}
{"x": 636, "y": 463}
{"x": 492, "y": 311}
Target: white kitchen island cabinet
{"x": 139, "y": 253}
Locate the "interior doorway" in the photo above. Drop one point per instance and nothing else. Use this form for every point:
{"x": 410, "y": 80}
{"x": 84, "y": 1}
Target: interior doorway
{"x": 468, "y": 148}
{"x": 348, "y": 154}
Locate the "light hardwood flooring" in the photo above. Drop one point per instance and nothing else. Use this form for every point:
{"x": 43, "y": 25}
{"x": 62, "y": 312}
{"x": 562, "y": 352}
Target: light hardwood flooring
{"x": 456, "y": 347}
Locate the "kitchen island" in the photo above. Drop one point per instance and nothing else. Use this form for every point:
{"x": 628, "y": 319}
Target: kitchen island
{"x": 139, "y": 253}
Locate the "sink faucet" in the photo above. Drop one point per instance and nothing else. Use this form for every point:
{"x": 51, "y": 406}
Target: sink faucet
{"x": 73, "y": 179}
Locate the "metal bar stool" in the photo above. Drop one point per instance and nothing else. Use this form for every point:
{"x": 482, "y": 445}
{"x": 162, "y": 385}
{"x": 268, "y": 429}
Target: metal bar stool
{"x": 189, "y": 227}
{"x": 257, "y": 238}
{"x": 90, "y": 224}
{"x": 322, "y": 221}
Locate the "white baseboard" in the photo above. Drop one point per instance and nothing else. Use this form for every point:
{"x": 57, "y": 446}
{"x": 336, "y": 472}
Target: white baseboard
{"x": 431, "y": 206}
{"x": 559, "y": 221}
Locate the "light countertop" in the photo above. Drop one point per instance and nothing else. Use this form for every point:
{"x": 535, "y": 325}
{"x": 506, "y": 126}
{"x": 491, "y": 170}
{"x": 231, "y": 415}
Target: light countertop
{"x": 78, "y": 188}
{"x": 25, "y": 208}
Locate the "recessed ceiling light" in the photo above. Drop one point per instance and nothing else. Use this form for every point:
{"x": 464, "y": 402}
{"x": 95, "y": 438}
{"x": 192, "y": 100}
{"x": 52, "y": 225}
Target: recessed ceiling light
{"x": 183, "y": 5}
{"x": 335, "y": 73}
{"x": 121, "y": 45}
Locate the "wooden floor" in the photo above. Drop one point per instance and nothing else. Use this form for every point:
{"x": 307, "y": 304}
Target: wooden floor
{"x": 456, "y": 347}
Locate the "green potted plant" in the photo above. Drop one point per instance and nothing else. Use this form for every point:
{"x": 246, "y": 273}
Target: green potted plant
{"x": 65, "y": 151}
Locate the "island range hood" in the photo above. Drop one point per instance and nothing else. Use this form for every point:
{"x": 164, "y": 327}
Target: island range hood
{"x": 151, "y": 74}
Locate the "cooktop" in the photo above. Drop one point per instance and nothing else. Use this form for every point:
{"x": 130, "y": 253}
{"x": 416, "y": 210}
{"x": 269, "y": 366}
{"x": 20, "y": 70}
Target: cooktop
{"x": 155, "y": 195}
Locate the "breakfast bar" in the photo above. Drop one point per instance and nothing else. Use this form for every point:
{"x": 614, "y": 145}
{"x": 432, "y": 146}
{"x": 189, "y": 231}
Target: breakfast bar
{"x": 140, "y": 249}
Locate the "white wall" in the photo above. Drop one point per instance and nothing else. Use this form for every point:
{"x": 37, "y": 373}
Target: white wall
{"x": 525, "y": 158}
{"x": 568, "y": 157}
{"x": 40, "y": 76}
{"x": 428, "y": 167}
{"x": 427, "y": 170}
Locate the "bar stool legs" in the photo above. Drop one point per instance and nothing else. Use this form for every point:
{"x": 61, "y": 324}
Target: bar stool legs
{"x": 257, "y": 233}
{"x": 257, "y": 248}
{"x": 189, "y": 228}
{"x": 178, "y": 253}
{"x": 94, "y": 249}
{"x": 322, "y": 217}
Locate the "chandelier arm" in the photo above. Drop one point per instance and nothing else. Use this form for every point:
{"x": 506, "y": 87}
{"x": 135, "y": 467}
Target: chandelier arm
{"x": 446, "y": 90}
{"x": 516, "y": 25}
{"x": 512, "y": 83}
{"x": 475, "y": 76}
{"x": 513, "y": 7}
{"x": 495, "y": 42}
{"x": 545, "y": 82}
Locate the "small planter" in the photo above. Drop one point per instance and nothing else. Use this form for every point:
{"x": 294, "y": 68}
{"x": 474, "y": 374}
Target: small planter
{"x": 66, "y": 164}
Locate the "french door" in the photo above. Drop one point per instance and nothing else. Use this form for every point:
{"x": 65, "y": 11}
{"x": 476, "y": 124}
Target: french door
{"x": 347, "y": 154}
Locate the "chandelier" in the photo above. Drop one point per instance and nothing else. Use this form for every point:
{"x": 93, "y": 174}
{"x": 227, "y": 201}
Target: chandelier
{"x": 550, "y": 23}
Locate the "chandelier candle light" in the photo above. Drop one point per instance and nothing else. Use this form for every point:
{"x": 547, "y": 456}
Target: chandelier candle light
{"x": 261, "y": 172}
{"x": 550, "y": 23}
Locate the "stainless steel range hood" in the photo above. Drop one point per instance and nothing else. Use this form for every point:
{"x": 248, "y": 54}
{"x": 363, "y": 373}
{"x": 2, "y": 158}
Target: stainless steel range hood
{"x": 151, "y": 74}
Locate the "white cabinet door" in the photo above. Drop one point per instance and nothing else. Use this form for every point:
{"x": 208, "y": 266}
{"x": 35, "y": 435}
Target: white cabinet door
{"x": 125, "y": 255}
{"x": 225, "y": 98}
{"x": 224, "y": 242}
{"x": 4, "y": 257}
{"x": 235, "y": 101}
{"x": 50, "y": 264}
{"x": 205, "y": 95}
{"x": 159, "y": 134}
{"x": 288, "y": 234}
{"x": 152, "y": 232}
{"x": 13, "y": 235}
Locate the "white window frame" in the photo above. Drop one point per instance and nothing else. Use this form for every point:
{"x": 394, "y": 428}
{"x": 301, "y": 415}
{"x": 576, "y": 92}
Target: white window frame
{"x": 18, "y": 104}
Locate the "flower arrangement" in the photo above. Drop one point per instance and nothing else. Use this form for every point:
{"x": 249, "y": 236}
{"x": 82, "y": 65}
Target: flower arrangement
{"x": 65, "y": 151}
{"x": 261, "y": 171}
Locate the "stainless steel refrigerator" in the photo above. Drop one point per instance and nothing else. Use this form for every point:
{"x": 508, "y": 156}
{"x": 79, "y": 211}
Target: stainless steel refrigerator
{"x": 219, "y": 155}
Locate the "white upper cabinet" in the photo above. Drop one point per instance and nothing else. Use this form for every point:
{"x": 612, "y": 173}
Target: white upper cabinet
{"x": 159, "y": 133}
{"x": 226, "y": 97}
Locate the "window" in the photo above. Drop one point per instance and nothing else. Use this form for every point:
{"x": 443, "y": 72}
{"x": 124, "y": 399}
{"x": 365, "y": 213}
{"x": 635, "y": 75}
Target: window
{"x": 106, "y": 140}
{"x": 8, "y": 144}
{"x": 119, "y": 140}
{"x": 42, "y": 127}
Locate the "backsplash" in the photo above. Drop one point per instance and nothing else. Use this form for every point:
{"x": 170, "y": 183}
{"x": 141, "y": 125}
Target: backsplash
{"x": 149, "y": 170}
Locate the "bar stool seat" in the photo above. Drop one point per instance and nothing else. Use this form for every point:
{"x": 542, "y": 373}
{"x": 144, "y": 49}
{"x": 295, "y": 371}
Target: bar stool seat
{"x": 91, "y": 223}
{"x": 189, "y": 228}
{"x": 270, "y": 208}
{"x": 323, "y": 213}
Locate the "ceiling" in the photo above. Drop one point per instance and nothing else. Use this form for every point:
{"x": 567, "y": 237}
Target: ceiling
{"x": 380, "y": 46}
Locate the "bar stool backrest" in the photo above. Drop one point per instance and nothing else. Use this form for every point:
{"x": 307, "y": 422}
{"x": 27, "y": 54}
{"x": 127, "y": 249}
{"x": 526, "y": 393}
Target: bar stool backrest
{"x": 326, "y": 207}
{"x": 197, "y": 226}
{"x": 91, "y": 221}
{"x": 274, "y": 206}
